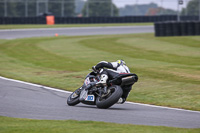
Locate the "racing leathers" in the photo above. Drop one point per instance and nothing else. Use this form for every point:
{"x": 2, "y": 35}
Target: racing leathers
{"x": 114, "y": 69}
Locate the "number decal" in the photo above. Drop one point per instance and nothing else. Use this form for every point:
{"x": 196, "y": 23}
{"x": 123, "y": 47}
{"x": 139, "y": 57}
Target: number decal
{"x": 90, "y": 98}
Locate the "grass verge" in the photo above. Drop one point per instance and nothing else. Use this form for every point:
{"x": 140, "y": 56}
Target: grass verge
{"x": 168, "y": 67}
{"x": 30, "y": 26}
{"x": 16, "y": 125}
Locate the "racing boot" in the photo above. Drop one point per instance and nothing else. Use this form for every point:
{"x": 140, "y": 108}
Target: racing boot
{"x": 121, "y": 100}
{"x": 126, "y": 91}
{"x": 103, "y": 83}
{"x": 103, "y": 80}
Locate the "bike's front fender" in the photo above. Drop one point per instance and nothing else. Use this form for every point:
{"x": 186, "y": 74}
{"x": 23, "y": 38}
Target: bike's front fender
{"x": 83, "y": 95}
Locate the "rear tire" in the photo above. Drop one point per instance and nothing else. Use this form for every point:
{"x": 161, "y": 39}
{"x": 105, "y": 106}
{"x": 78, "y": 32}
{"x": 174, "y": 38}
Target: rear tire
{"x": 71, "y": 101}
{"x": 113, "y": 97}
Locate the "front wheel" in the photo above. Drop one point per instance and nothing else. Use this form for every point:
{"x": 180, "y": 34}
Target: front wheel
{"x": 73, "y": 99}
{"x": 114, "y": 93}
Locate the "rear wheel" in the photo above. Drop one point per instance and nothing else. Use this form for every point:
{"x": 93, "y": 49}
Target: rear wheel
{"x": 114, "y": 93}
{"x": 73, "y": 99}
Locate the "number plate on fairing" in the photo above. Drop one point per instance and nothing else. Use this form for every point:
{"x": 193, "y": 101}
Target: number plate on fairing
{"x": 90, "y": 98}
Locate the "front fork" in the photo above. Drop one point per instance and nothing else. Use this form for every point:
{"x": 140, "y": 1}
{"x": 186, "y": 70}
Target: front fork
{"x": 100, "y": 91}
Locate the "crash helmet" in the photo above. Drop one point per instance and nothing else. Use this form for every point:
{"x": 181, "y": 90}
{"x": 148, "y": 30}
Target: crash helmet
{"x": 121, "y": 62}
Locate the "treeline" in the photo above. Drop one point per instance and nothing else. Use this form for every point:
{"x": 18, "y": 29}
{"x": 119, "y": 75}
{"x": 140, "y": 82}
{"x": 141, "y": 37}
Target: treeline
{"x": 89, "y": 8}
{"x": 145, "y": 9}
{"x": 192, "y": 8}
{"x": 31, "y": 8}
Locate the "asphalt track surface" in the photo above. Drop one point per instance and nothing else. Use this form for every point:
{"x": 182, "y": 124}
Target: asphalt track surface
{"x": 21, "y": 100}
{"x": 25, "y": 100}
{"x": 79, "y": 31}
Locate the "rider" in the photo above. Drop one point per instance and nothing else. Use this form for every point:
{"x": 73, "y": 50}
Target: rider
{"x": 115, "y": 68}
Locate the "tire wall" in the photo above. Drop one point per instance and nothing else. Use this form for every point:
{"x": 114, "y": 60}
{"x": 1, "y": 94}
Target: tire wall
{"x": 93, "y": 20}
{"x": 174, "y": 28}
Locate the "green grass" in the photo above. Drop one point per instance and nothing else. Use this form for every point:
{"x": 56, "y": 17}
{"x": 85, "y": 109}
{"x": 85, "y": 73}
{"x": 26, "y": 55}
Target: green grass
{"x": 8, "y": 125}
{"x": 168, "y": 67}
{"x": 25, "y": 26}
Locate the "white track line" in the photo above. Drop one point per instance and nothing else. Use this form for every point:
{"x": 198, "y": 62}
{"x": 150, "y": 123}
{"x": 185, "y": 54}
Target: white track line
{"x": 36, "y": 85}
{"x": 156, "y": 106}
{"x": 58, "y": 90}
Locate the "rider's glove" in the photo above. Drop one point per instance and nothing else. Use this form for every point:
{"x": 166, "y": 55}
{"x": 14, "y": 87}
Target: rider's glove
{"x": 94, "y": 69}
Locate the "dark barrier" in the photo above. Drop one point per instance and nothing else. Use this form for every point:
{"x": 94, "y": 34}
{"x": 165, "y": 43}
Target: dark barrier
{"x": 125, "y": 19}
{"x": 173, "y": 28}
{"x": 190, "y": 28}
{"x": 197, "y": 28}
{"x": 176, "y": 29}
{"x": 89, "y": 20}
{"x": 23, "y": 20}
{"x": 168, "y": 30}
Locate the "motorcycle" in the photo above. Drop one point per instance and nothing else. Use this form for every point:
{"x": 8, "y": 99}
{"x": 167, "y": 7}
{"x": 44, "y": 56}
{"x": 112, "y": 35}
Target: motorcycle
{"x": 101, "y": 96}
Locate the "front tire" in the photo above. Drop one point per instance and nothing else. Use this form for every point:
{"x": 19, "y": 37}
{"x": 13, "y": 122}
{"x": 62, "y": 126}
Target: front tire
{"x": 106, "y": 102}
{"x": 72, "y": 99}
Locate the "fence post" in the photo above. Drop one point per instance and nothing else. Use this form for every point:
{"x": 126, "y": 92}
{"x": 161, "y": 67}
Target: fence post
{"x": 199, "y": 10}
{"x": 87, "y": 10}
{"x": 5, "y": 8}
{"x": 62, "y": 8}
{"x": 111, "y": 9}
{"x": 161, "y": 13}
{"x": 47, "y": 6}
{"x": 178, "y": 15}
{"x": 26, "y": 8}
{"x": 37, "y": 8}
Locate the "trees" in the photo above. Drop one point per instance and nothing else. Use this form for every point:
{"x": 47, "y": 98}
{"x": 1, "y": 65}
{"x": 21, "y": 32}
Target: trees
{"x": 9, "y": 6}
{"x": 2, "y": 8}
{"x": 62, "y": 7}
{"x": 145, "y": 9}
{"x": 79, "y": 6}
{"x": 99, "y": 8}
{"x": 21, "y": 8}
{"x": 192, "y": 8}
{"x": 141, "y": 9}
